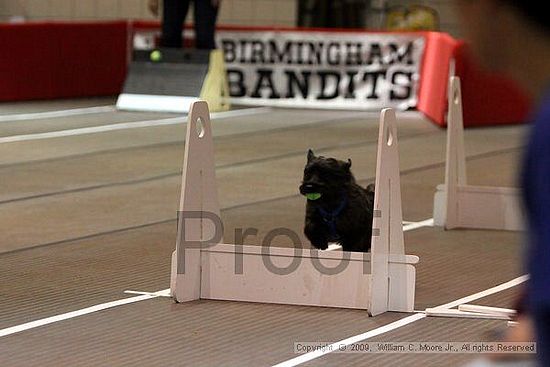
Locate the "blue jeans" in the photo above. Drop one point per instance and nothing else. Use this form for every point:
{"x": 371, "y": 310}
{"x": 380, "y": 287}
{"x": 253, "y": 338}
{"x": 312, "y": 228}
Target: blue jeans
{"x": 542, "y": 327}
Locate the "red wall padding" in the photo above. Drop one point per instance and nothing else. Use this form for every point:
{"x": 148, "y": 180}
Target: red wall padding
{"x": 56, "y": 60}
{"x": 488, "y": 98}
{"x": 432, "y": 92}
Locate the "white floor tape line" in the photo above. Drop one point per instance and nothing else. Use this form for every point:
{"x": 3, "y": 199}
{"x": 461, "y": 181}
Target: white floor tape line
{"x": 128, "y": 125}
{"x": 241, "y": 112}
{"x": 487, "y": 292}
{"x": 53, "y": 114}
{"x": 397, "y": 324}
{"x": 351, "y": 340}
{"x": 73, "y": 314}
{"x": 162, "y": 293}
{"x": 92, "y": 130}
{"x": 407, "y": 226}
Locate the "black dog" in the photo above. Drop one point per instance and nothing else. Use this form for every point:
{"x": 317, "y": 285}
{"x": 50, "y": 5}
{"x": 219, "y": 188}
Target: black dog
{"x": 338, "y": 209}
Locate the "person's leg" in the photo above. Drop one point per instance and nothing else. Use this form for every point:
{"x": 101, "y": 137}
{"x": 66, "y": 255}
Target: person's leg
{"x": 205, "y": 24}
{"x": 173, "y": 15}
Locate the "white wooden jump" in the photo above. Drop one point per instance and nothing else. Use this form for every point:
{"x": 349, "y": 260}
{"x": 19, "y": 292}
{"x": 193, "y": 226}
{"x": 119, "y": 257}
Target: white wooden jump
{"x": 203, "y": 267}
{"x": 459, "y": 205}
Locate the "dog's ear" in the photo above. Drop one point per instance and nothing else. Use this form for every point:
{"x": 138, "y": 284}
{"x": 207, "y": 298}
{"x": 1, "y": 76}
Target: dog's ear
{"x": 310, "y": 155}
{"x": 347, "y": 165}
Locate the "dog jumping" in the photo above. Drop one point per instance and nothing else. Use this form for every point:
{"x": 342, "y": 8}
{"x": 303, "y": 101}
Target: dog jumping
{"x": 338, "y": 209}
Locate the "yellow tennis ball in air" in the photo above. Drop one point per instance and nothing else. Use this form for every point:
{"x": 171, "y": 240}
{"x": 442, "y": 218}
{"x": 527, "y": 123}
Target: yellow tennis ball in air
{"x": 155, "y": 56}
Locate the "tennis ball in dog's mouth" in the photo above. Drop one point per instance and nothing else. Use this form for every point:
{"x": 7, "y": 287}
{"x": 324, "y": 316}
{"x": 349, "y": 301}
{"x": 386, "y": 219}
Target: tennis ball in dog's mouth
{"x": 313, "y": 196}
{"x": 155, "y": 56}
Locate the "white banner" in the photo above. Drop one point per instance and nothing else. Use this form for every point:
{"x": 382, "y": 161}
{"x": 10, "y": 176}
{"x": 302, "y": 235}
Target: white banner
{"x": 336, "y": 70}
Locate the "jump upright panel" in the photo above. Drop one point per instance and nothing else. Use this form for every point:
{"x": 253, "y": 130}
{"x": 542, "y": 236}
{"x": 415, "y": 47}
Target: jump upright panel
{"x": 203, "y": 267}
{"x": 459, "y": 205}
{"x": 387, "y": 224}
{"x": 199, "y": 209}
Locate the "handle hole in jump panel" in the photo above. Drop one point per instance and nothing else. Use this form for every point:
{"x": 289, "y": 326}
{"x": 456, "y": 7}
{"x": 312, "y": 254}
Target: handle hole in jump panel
{"x": 199, "y": 126}
{"x": 456, "y": 96}
{"x": 389, "y": 136}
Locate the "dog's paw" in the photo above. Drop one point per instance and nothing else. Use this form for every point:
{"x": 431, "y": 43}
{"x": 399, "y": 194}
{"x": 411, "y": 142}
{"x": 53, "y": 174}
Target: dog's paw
{"x": 320, "y": 246}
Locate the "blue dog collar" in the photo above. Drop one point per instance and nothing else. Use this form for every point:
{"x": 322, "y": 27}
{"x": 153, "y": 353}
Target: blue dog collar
{"x": 330, "y": 217}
